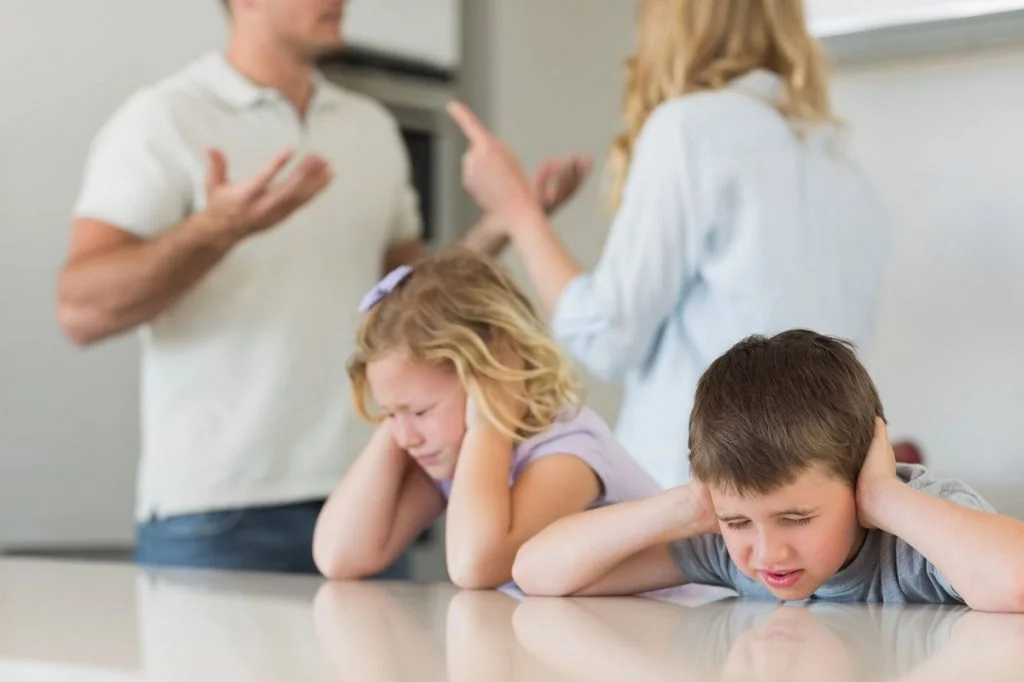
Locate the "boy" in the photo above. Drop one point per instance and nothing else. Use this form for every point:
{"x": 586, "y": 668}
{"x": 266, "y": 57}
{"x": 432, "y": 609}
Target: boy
{"x": 796, "y": 495}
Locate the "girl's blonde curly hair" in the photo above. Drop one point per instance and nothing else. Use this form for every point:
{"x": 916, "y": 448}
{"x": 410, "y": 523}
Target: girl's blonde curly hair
{"x": 460, "y": 311}
{"x": 685, "y": 46}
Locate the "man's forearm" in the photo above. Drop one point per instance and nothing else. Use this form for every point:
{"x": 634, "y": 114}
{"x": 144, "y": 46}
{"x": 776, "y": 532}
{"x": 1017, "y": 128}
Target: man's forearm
{"x": 485, "y": 237}
{"x": 106, "y": 293}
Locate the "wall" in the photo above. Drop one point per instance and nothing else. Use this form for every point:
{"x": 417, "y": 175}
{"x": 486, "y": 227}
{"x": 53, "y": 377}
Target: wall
{"x": 68, "y": 419}
{"x": 942, "y": 139}
{"x": 426, "y": 30}
{"x": 550, "y": 85}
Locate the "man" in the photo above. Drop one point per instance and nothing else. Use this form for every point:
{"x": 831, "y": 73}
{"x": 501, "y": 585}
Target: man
{"x": 236, "y": 213}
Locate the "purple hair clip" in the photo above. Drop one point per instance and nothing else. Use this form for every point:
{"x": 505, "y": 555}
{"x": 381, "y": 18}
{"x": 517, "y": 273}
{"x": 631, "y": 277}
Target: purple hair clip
{"x": 384, "y": 287}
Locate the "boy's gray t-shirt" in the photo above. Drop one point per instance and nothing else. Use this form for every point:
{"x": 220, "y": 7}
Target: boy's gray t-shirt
{"x": 886, "y": 569}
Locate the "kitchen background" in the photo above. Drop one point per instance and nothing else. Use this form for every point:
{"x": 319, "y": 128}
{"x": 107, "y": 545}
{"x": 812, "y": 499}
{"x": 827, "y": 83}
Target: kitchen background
{"x": 933, "y": 91}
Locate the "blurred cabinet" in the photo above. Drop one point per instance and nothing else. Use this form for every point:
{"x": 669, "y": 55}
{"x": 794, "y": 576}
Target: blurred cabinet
{"x": 879, "y": 29}
{"x": 422, "y": 32}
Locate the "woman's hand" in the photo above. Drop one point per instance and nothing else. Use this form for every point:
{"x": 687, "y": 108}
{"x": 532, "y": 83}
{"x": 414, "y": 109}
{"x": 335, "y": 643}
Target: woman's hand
{"x": 553, "y": 183}
{"x": 490, "y": 171}
{"x": 557, "y": 180}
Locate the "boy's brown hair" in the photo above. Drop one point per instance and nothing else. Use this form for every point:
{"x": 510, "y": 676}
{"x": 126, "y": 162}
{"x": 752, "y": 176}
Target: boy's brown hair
{"x": 771, "y": 408}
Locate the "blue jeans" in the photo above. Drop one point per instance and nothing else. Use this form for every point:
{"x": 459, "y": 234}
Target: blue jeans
{"x": 269, "y": 539}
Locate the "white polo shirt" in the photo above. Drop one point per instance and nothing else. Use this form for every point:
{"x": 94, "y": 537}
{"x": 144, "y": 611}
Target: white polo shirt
{"x": 245, "y": 397}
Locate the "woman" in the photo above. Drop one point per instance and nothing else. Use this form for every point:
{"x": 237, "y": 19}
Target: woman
{"x": 736, "y": 213}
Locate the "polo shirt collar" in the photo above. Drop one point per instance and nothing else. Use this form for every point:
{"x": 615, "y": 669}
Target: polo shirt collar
{"x": 217, "y": 74}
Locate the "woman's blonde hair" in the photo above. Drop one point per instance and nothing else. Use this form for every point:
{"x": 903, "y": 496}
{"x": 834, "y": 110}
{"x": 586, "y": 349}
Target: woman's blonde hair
{"x": 460, "y": 311}
{"x": 686, "y": 46}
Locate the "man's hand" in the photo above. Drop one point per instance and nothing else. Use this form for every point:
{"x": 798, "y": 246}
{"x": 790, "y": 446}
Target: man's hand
{"x": 553, "y": 183}
{"x": 877, "y": 472}
{"x": 241, "y": 208}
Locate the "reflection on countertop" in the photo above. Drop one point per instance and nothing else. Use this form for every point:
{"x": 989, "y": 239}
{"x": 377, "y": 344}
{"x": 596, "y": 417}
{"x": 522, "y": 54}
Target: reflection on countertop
{"x": 117, "y": 622}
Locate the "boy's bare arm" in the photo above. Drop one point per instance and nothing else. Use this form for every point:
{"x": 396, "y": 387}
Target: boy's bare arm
{"x": 980, "y": 554}
{"x": 619, "y": 549}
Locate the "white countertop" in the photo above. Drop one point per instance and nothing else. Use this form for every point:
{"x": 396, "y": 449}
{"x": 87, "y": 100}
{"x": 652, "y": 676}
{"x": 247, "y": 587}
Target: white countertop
{"x": 114, "y": 623}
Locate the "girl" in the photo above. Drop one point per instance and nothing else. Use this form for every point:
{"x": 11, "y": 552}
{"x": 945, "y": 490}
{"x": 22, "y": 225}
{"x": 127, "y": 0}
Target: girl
{"x": 480, "y": 414}
{"x": 737, "y": 214}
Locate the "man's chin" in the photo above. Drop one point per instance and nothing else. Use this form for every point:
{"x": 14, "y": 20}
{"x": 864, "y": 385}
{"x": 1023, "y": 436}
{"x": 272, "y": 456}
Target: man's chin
{"x": 330, "y": 46}
{"x": 323, "y": 48}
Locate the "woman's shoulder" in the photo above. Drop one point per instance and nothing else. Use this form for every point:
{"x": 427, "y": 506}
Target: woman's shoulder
{"x": 716, "y": 116}
{"x": 704, "y": 106}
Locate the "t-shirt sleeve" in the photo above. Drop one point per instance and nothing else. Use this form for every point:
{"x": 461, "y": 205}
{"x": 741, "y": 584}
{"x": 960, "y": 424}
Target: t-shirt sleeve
{"x": 920, "y": 580}
{"x": 406, "y": 219}
{"x": 582, "y": 444}
{"x": 406, "y": 224}
{"x": 133, "y": 178}
{"x": 704, "y": 560}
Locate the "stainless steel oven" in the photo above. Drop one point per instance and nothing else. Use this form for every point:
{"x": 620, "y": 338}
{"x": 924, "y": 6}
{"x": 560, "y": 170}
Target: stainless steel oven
{"x": 434, "y": 144}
